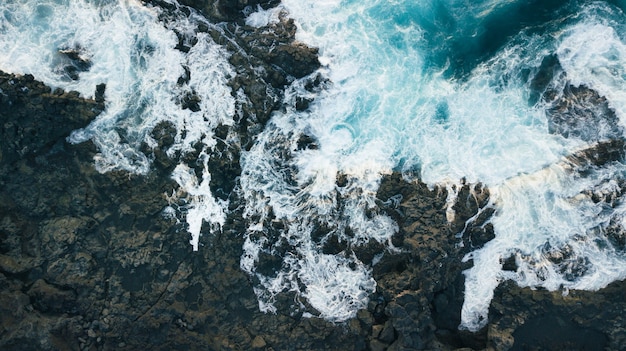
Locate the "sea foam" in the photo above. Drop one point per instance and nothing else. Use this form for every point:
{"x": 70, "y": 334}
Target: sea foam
{"x": 392, "y": 95}
{"x": 390, "y": 106}
{"x": 131, "y": 51}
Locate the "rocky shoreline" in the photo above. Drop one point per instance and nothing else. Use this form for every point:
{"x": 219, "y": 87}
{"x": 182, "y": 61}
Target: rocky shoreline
{"x": 88, "y": 261}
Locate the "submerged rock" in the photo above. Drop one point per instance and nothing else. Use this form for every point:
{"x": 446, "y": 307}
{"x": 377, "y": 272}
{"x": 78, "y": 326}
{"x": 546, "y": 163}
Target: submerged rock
{"x": 580, "y": 112}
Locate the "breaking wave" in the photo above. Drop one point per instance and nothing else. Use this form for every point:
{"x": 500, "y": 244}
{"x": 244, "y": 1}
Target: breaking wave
{"x": 528, "y": 98}
{"x": 458, "y": 94}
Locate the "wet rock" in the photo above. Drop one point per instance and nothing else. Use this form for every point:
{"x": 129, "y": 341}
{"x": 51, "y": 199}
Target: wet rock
{"x": 21, "y": 133}
{"x": 549, "y": 320}
{"x": 73, "y": 61}
{"x": 597, "y": 154}
{"x": 388, "y": 333}
{"x": 541, "y": 79}
{"x": 555, "y": 333}
{"x": 580, "y": 112}
{"x": 49, "y": 299}
{"x": 227, "y": 10}
{"x": 12, "y": 265}
{"x": 99, "y": 94}
{"x": 87, "y": 261}
{"x": 191, "y": 102}
{"x": 376, "y": 345}
{"x": 258, "y": 343}
{"x": 423, "y": 286}
{"x": 306, "y": 142}
{"x": 509, "y": 264}
{"x": 288, "y": 59}
{"x": 573, "y": 111}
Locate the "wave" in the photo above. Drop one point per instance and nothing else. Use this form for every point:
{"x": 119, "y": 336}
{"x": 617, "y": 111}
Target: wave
{"x": 525, "y": 97}
{"x": 126, "y": 47}
{"x": 395, "y": 100}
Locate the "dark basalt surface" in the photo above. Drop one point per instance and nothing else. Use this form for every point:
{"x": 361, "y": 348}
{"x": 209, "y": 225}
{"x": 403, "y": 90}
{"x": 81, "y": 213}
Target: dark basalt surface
{"x": 88, "y": 262}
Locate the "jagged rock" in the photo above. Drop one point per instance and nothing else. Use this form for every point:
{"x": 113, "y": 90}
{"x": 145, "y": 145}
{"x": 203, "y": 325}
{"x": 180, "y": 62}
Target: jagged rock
{"x": 74, "y": 61}
{"x": 49, "y": 299}
{"x": 573, "y": 111}
{"x": 580, "y": 112}
{"x": 88, "y": 262}
{"x": 103, "y": 269}
{"x": 551, "y": 320}
{"x": 21, "y": 132}
{"x": 423, "y": 287}
{"x": 227, "y": 10}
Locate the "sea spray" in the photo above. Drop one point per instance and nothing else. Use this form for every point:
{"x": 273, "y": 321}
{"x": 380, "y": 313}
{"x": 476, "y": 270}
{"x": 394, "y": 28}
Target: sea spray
{"x": 485, "y": 124}
{"x": 147, "y": 79}
{"x": 441, "y": 89}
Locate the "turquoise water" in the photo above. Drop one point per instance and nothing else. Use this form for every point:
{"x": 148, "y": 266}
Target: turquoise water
{"x": 453, "y": 90}
{"x": 440, "y": 90}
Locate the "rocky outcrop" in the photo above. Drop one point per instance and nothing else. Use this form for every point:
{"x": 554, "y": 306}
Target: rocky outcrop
{"x": 88, "y": 261}
{"x": 92, "y": 261}
{"x": 420, "y": 290}
{"x": 572, "y": 111}
{"x": 25, "y": 134}
{"x": 227, "y": 10}
{"x": 524, "y": 319}
{"x": 266, "y": 59}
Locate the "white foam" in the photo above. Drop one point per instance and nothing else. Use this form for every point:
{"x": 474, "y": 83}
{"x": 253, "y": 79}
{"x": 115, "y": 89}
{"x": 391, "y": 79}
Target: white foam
{"x": 200, "y": 204}
{"x": 261, "y": 18}
{"x": 134, "y": 54}
{"x": 334, "y": 288}
{"x": 384, "y": 110}
{"x": 593, "y": 55}
{"x": 548, "y": 214}
{"x": 299, "y": 188}
{"x": 549, "y": 207}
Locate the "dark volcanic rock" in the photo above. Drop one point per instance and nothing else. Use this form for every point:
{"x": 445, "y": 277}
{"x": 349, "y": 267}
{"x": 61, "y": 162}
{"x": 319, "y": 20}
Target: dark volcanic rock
{"x": 227, "y": 10}
{"x": 290, "y": 56}
{"x": 87, "y": 261}
{"x": 25, "y": 134}
{"x": 73, "y": 62}
{"x": 265, "y": 59}
{"x": 580, "y": 112}
{"x": 288, "y": 59}
{"x": 572, "y": 111}
{"x": 522, "y": 319}
{"x": 421, "y": 288}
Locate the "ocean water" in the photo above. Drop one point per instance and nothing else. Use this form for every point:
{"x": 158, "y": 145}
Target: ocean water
{"x": 123, "y": 44}
{"x": 450, "y": 91}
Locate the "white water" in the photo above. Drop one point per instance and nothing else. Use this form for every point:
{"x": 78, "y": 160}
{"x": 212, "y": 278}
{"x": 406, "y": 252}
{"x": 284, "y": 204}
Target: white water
{"x": 134, "y": 55}
{"x": 387, "y": 106}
